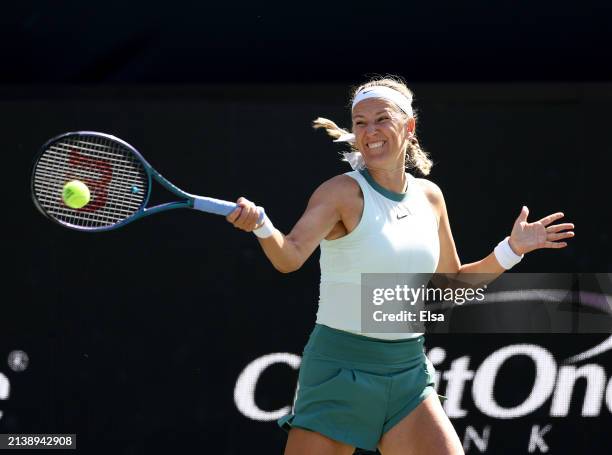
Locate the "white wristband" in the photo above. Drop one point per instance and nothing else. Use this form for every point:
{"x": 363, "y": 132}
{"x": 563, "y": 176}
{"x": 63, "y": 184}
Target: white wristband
{"x": 505, "y": 256}
{"x": 266, "y": 229}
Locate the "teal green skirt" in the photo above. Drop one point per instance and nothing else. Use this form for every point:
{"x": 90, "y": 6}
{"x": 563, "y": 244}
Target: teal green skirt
{"x": 353, "y": 388}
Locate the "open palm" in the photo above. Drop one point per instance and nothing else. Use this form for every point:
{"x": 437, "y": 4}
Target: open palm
{"x": 526, "y": 237}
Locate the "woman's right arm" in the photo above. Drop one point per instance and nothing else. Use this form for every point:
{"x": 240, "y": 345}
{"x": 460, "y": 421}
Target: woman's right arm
{"x": 287, "y": 253}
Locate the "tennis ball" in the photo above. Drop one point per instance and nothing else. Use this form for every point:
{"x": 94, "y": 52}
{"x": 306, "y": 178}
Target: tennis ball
{"x": 76, "y": 194}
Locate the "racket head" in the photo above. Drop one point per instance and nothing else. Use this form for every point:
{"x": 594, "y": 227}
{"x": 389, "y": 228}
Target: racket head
{"x": 118, "y": 178}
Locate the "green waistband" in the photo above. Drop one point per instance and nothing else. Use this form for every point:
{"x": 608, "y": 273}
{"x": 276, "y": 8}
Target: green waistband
{"x": 341, "y": 345}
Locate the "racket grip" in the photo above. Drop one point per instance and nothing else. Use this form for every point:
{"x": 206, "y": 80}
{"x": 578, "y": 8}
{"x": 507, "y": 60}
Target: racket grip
{"x": 220, "y": 207}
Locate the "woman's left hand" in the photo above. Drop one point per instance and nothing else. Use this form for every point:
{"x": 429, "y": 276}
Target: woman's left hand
{"x": 526, "y": 237}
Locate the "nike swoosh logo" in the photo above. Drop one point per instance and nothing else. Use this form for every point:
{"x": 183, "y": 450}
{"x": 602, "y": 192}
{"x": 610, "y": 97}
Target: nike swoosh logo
{"x": 400, "y": 217}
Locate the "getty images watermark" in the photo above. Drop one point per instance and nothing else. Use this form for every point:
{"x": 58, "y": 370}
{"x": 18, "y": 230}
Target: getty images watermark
{"x": 479, "y": 303}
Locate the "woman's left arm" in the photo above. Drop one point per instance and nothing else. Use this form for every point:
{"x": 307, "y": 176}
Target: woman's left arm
{"x": 524, "y": 237}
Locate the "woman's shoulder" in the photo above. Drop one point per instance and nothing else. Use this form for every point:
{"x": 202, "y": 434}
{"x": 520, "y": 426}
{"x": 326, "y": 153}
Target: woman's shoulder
{"x": 339, "y": 185}
{"x": 431, "y": 190}
{"x": 337, "y": 191}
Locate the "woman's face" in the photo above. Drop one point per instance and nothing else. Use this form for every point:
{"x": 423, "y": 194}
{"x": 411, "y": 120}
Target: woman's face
{"x": 381, "y": 133}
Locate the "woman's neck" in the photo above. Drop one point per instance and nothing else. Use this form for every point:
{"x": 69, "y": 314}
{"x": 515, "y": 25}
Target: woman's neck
{"x": 390, "y": 179}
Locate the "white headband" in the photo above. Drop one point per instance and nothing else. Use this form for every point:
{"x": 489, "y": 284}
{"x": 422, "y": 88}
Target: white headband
{"x": 402, "y": 101}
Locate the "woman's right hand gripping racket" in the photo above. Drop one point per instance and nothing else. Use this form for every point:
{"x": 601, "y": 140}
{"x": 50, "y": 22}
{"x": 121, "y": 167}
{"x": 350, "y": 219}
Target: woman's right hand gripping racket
{"x": 118, "y": 179}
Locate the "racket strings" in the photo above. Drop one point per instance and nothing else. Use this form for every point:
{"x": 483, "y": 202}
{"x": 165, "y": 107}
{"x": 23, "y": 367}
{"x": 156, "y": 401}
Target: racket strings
{"x": 116, "y": 179}
{"x": 119, "y": 188}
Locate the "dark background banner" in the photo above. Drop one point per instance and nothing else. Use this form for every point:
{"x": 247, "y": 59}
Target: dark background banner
{"x": 187, "y": 41}
{"x": 136, "y": 338}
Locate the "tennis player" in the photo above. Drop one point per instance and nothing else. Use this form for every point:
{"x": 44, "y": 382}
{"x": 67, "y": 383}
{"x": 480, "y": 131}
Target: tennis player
{"x": 375, "y": 390}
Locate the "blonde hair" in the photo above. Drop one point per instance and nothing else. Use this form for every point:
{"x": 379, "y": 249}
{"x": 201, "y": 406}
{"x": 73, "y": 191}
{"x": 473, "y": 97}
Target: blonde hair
{"x": 416, "y": 157}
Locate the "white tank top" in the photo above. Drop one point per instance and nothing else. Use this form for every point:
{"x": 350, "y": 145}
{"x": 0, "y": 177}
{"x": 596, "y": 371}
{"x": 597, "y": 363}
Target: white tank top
{"x": 397, "y": 233}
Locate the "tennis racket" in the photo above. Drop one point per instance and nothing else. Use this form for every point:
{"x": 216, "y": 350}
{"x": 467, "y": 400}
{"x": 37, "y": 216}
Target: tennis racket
{"x": 119, "y": 180}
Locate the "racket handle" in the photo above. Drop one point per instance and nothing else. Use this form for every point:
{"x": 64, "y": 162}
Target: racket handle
{"x": 220, "y": 207}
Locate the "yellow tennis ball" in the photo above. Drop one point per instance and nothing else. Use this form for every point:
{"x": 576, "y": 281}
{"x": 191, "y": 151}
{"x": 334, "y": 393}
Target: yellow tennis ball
{"x": 76, "y": 194}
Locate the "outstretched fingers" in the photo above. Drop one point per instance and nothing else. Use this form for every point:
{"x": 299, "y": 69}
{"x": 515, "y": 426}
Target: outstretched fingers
{"x": 551, "y": 218}
{"x": 559, "y": 227}
{"x": 557, "y": 232}
{"x": 555, "y": 244}
{"x": 559, "y": 236}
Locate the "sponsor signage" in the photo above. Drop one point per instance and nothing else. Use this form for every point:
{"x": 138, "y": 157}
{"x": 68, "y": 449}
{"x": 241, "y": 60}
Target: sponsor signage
{"x": 519, "y": 390}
